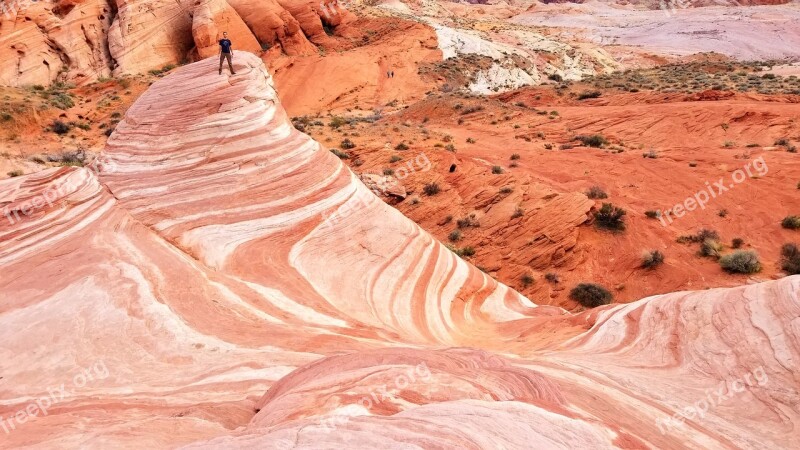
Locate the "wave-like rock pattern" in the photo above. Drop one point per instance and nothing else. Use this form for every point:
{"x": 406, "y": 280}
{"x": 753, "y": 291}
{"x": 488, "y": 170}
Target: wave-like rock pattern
{"x": 227, "y": 282}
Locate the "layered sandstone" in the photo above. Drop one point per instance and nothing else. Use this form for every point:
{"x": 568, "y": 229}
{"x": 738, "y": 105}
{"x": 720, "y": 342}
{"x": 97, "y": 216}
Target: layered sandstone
{"x": 226, "y": 282}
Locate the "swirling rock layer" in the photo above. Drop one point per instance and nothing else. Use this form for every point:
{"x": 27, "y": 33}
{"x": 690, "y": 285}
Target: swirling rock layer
{"x": 226, "y": 282}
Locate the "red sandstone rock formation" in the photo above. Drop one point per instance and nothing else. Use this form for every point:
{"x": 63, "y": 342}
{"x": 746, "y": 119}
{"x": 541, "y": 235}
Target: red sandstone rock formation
{"x": 226, "y": 282}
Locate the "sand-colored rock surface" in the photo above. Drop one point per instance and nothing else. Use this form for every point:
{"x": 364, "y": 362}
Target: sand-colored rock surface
{"x": 224, "y": 281}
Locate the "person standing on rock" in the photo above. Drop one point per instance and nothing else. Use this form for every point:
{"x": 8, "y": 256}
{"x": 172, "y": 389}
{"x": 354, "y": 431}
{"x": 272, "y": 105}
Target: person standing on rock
{"x": 226, "y": 52}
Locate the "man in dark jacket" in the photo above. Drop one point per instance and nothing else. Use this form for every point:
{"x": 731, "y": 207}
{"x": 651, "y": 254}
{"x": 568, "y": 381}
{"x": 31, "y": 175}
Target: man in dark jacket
{"x": 226, "y": 52}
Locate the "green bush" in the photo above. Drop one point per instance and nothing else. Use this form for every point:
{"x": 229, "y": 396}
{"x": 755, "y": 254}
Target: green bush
{"x": 454, "y": 236}
{"x": 347, "y": 144}
{"x": 741, "y": 261}
{"x": 591, "y": 295}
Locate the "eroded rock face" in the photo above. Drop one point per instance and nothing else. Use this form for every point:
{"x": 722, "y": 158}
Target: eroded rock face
{"x": 82, "y": 40}
{"x": 43, "y": 39}
{"x": 226, "y": 282}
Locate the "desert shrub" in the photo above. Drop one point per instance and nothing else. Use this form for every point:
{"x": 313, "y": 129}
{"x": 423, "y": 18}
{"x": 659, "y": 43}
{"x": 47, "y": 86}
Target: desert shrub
{"x": 108, "y": 132}
{"x": 454, "y": 235}
{"x": 783, "y": 142}
{"x": 552, "y": 278}
{"x": 470, "y": 140}
{"x": 722, "y": 213}
{"x": 791, "y": 222}
{"x": 711, "y": 248}
{"x": 59, "y": 127}
{"x": 347, "y": 144}
{"x": 450, "y": 148}
{"x": 465, "y": 251}
{"x": 790, "y": 259}
{"x": 468, "y": 221}
{"x": 471, "y": 109}
{"x": 61, "y": 100}
{"x": 497, "y": 170}
{"x": 652, "y": 154}
{"x": 610, "y": 217}
{"x": 737, "y": 243}
{"x": 592, "y": 140}
{"x": 6, "y": 117}
{"x": 15, "y": 173}
{"x": 116, "y": 115}
{"x": 527, "y": 279}
{"x": 589, "y": 94}
{"x": 337, "y": 122}
{"x": 555, "y": 77}
{"x": 591, "y": 295}
{"x": 652, "y": 258}
{"x": 518, "y": 212}
{"x": 652, "y": 213}
{"x": 388, "y": 172}
{"x": 340, "y": 154}
{"x": 515, "y": 156}
{"x": 431, "y": 188}
{"x": 741, "y": 261}
{"x": 401, "y": 146}
{"x": 596, "y": 192}
{"x": 395, "y": 158}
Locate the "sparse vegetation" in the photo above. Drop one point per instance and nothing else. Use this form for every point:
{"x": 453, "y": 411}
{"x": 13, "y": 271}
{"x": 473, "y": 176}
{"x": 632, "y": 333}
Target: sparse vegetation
{"x": 589, "y": 94}
{"x": 347, "y": 144}
{"x": 454, "y": 236}
{"x": 552, "y": 277}
{"x": 527, "y": 280}
{"x": 340, "y": 154}
{"x": 652, "y": 214}
{"x": 59, "y": 127}
{"x": 741, "y": 261}
{"x": 596, "y": 192}
{"x": 737, "y": 243}
{"x": 652, "y": 259}
{"x": 610, "y": 217}
{"x": 791, "y": 222}
{"x": 431, "y": 189}
{"x": 395, "y": 158}
{"x": 790, "y": 259}
{"x": 518, "y": 212}
{"x": 515, "y": 156}
{"x": 15, "y": 173}
{"x": 592, "y": 140}
{"x": 711, "y": 248}
{"x": 468, "y": 221}
{"x": 497, "y": 170}
{"x": 401, "y": 146}
{"x": 591, "y": 295}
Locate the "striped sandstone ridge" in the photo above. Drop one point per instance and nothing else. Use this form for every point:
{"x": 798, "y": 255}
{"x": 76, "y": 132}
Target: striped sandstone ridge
{"x": 241, "y": 288}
